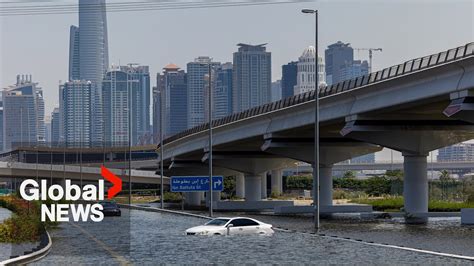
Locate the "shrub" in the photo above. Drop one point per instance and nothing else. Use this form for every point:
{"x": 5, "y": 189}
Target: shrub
{"x": 396, "y": 203}
{"x": 25, "y": 224}
{"x": 172, "y": 197}
{"x": 377, "y": 186}
{"x": 299, "y": 182}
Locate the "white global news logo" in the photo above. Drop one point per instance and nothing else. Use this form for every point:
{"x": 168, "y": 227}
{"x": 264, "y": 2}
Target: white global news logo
{"x": 30, "y": 190}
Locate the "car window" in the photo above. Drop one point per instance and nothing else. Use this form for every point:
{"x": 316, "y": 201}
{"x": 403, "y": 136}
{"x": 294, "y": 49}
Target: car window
{"x": 108, "y": 204}
{"x": 243, "y": 222}
{"x": 217, "y": 222}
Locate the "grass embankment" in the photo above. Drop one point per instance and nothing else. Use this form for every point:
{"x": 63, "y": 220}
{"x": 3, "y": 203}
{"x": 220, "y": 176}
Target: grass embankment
{"x": 393, "y": 204}
{"x": 25, "y": 224}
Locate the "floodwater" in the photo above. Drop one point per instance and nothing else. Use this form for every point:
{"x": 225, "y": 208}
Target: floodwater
{"x": 141, "y": 237}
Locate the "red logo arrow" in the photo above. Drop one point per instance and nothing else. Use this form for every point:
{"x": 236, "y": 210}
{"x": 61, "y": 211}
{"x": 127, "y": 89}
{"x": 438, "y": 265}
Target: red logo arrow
{"x": 115, "y": 180}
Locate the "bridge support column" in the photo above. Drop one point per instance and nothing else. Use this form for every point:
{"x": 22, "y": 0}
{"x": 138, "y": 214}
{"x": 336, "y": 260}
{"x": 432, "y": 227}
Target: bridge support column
{"x": 277, "y": 184}
{"x": 415, "y": 187}
{"x": 253, "y": 184}
{"x": 193, "y": 198}
{"x": 325, "y": 174}
{"x": 240, "y": 185}
{"x": 263, "y": 187}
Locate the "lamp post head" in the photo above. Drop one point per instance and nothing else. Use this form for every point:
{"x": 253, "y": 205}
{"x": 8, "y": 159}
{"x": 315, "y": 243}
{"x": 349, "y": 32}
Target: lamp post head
{"x": 309, "y": 11}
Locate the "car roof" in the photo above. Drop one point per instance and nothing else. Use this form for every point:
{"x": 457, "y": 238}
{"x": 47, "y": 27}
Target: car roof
{"x": 231, "y": 218}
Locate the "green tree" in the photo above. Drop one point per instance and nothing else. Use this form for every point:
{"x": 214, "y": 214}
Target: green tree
{"x": 229, "y": 186}
{"x": 377, "y": 186}
{"x": 349, "y": 174}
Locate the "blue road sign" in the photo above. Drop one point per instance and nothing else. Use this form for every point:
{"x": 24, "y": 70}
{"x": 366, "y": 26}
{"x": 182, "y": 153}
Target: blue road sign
{"x": 195, "y": 183}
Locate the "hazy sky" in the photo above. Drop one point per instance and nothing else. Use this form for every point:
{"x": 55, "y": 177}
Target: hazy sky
{"x": 38, "y": 45}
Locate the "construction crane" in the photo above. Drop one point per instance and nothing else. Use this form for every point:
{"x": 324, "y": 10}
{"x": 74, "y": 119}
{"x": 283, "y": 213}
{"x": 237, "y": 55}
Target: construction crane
{"x": 370, "y": 54}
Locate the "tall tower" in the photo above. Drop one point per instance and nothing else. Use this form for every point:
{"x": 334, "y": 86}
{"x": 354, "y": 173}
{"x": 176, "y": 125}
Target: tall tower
{"x": 196, "y": 79}
{"x": 74, "y": 53}
{"x": 120, "y": 92}
{"x": 252, "y": 77}
{"x": 305, "y": 76}
{"x": 89, "y": 57}
{"x": 93, "y": 41}
{"x": 173, "y": 84}
{"x": 23, "y": 114}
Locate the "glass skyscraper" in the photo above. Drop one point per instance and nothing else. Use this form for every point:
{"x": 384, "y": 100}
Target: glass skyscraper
{"x": 173, "y": 84}
{"x": 223, "y": 84}
{"x": 289, "y": 73}
{"x": 252, "y": 77}
{"x": 197, "y": 72}
{"x": 142, "y": 116}
{"x": 340, "y": 63}
{"x": 77, "y": 116}
{"x": 89, "y": 56}
{"x": 120, "y": 92}
{"x": 55, "y": 126}
{"x": 23, "y": 114}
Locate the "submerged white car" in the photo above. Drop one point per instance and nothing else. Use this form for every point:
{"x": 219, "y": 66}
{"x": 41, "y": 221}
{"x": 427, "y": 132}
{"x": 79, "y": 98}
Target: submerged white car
{"x": 231, "y": 226}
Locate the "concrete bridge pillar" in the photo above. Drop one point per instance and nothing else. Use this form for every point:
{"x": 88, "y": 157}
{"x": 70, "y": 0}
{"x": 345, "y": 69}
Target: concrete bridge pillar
{"x": 240, "y": 185}
{"x": 253, "y": 184}
{"x": 277, "y": 183}
{"x": 415, "y": 187}
{"x": 325, "y": 186}
{"x": 193, "y": 198}
{"x": 263, "y": 187}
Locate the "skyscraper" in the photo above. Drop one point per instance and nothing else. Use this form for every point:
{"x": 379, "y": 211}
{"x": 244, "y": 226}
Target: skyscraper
{"x": 77, "y": 113}
{"x": 142, "y": 74}
{"x": 222, "y": 91}
{"x": 197, "y": 71}
{"x": 89, "y": 56}
{"x": 93, "y": 41}
{"x": 305, "y": 76}
{"x": 252, "y": 77}
{"x": 337, "y": 56}
{"x": 289, "y": 73}
{"x": 340, "y": 63}
{"x": 120, "y": 92}
{"x": 55, "y": 126}
{"x": 74, "y": 53}
{"x": 173, "y": 83}
{"x": 23, "y": 114}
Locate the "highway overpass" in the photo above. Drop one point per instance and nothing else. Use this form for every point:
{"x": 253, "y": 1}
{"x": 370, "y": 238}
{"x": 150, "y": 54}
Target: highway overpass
{"x": 73, "y": 172}
{"x": 436, "y": 166}
{"x": 415, "y": 107}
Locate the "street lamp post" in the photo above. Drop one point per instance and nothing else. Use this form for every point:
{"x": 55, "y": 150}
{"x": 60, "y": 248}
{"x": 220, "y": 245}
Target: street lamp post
{"x": 210, "y": 138}
{"x": 316, "y": 123}
{"x": 160, "y": 92}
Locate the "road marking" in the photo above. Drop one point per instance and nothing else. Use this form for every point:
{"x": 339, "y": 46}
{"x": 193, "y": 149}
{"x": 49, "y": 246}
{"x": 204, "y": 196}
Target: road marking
{"x": 119, "y": 258}
{"x": 325, "y": 236}
{"x": 381, "y": 245}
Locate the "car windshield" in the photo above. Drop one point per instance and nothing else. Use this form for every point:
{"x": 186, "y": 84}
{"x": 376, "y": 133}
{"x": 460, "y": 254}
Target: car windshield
{"x": 217, "y": 222}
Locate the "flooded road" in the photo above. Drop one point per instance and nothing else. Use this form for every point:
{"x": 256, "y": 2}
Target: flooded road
{"x": 140, "y": 237}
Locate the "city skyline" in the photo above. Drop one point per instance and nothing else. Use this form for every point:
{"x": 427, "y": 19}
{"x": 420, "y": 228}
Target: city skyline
{"x": 179, "y": 52}
{"x": 223, "y": 52}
